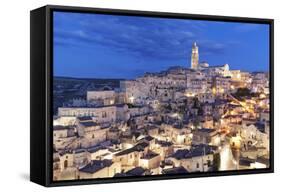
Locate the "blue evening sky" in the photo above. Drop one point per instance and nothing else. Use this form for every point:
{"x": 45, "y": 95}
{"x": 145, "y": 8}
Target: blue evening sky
{"x": 107, "y": 46}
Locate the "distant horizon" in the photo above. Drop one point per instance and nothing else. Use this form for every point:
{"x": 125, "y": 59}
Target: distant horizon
{"x": 105, "y": 78}
{"x": 125, "y": 47}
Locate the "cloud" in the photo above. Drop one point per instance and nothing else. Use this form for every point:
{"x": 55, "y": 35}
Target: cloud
{"x": 211, "y": 47}
{"x": 137, "y": 36}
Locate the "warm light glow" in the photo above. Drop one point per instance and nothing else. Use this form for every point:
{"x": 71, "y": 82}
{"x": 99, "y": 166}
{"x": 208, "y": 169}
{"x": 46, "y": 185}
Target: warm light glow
{"x": 189, "y": 94}
{"x": 236, "y": 142}
{"x": 214, "y": 90}
{"x": 262, "y": 96}
{"x": 217, "y": 141}
{"x": 131, "y": 99}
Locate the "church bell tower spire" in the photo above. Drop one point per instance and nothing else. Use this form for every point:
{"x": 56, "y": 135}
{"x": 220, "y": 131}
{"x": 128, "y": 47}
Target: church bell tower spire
{"x": 194, "y": 56}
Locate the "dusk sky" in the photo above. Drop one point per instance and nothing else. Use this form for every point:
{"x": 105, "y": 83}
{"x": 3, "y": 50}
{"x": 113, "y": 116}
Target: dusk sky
{"x": 106, "y": 46}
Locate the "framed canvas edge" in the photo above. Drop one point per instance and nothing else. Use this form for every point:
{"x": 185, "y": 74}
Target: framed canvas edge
{"x": 49, "y": 82}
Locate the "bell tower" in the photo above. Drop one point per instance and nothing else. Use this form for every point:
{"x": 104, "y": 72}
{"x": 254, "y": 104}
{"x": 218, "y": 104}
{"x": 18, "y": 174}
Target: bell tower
{"x": 194, "y": 56}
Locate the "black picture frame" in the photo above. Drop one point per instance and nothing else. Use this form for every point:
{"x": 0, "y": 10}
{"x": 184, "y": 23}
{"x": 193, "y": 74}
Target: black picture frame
{"x": 41, "y": 83}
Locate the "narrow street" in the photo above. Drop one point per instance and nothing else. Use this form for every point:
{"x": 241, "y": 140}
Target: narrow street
{"x": 227, "y": 161}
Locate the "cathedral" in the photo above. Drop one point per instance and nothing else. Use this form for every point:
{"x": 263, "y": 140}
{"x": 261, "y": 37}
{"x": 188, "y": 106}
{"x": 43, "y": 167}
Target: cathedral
{"x": 211, "y": 70}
